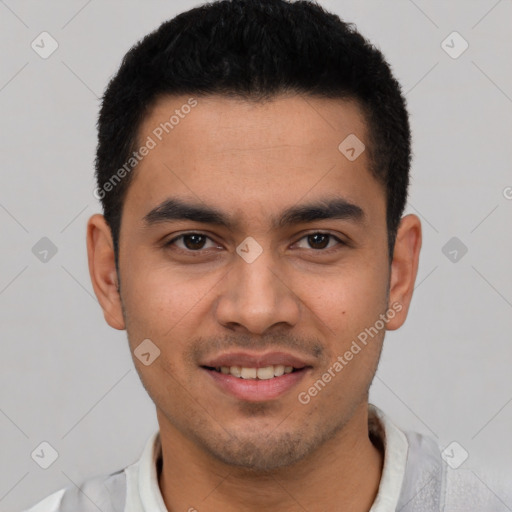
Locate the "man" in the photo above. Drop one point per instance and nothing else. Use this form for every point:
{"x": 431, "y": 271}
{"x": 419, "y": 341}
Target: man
{"x": 253, "y": 165}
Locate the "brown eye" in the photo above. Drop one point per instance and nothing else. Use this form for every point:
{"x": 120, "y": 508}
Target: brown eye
{"x": 320, "y": 241}
{"x": 192, "y": 242}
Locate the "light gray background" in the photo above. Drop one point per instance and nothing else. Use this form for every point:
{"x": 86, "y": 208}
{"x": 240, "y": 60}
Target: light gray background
{"x": 68, "y": 379}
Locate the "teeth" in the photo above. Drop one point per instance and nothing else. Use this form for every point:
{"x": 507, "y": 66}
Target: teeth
{"x": 268, "y": 372}
{"x": 236, "y": 371}
{"x": 249, "y": 373}
{"x": 278, "y": 370}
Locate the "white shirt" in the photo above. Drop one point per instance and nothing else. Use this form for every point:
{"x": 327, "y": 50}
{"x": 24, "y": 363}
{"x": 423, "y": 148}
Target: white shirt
{"x": 414, "y": 479}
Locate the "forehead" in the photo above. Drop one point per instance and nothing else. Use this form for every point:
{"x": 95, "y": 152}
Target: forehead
{"x": 253, "y": 156}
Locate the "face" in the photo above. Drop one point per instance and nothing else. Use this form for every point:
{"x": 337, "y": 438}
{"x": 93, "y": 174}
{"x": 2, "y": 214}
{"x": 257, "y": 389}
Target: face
{"x": 253, "y": 255}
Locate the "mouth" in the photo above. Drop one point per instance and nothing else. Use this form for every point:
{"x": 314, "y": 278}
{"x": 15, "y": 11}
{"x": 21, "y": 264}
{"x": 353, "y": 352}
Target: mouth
{"x": 253, "y": 377}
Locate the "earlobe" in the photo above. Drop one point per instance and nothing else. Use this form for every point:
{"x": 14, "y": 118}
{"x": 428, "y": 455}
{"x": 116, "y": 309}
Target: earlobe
{"x": 404, "y": 268}
{"x": 102, "y": 270}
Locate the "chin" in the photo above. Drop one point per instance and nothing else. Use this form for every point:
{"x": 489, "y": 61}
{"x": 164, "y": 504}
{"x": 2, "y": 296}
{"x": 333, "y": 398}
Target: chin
{"x": 263, "y": 452}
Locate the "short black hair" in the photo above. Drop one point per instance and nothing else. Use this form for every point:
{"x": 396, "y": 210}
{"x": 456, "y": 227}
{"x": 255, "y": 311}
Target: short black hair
{"x": 254, "y": 50}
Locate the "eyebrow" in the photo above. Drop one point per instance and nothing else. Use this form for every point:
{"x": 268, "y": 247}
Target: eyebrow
{"x": 331, "y": 208}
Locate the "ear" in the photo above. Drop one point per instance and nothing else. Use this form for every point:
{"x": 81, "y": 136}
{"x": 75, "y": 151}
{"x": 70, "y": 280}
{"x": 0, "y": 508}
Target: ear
{"x": 404, "y": 268}
{"x": 102, "y": 269}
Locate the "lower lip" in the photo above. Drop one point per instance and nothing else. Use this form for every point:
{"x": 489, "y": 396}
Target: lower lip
{"x": 256, "y": 390}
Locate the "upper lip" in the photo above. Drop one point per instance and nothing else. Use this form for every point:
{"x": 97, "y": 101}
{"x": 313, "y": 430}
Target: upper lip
{"x": 256, "y": 360}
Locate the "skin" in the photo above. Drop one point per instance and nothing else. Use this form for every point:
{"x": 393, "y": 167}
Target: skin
{"x": 253, "y": 160}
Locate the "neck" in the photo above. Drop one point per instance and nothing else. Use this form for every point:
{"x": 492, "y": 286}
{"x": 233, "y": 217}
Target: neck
{"x": 344, "y": 473}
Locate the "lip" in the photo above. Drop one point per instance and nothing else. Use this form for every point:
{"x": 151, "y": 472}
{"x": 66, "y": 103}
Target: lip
{"x": 256, "y": 360}
{"x": 255, "y": 390}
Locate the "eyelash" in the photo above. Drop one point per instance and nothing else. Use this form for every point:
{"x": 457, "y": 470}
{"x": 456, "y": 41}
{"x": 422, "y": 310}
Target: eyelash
{"x": 199, "y": 251}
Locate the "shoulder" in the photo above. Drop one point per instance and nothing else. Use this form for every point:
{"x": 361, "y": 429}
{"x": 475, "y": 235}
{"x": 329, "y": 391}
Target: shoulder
{"x": 476, "y": 488}
{"x": 105, "y": 492}
{"x": 113, "y": 492}
{"x": 49, "y": 504}
{"x": 449, "y": 480}
{"x": 446, "y": 479}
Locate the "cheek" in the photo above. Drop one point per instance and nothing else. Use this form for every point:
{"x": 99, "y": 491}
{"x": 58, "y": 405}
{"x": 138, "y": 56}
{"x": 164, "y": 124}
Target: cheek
{"x": 349, "y": 300}
{"x": 351, "y": 305}
{"x": 162, "y": 303}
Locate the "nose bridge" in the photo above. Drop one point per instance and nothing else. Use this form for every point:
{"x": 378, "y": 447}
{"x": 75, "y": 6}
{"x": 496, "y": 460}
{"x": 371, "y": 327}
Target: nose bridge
{"x": 256, "y": 278}
{"x": 255, "y": 295}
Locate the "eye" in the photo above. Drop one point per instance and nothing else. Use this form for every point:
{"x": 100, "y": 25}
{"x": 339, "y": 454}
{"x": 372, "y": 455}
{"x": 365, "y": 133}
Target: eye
{"x": 192, "y": 242}
{"x": 320, "y": 241}
{"x": 196, "y": 242}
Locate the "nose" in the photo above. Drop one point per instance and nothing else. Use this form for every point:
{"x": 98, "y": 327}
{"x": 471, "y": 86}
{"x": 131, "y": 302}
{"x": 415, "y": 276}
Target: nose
{"x": 257, "y": 297}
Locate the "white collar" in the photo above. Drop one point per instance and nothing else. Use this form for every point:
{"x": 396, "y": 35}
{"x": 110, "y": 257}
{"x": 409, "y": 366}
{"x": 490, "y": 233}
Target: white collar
{"x": 143, "y": 491}
{"x": 396, "y": 448}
